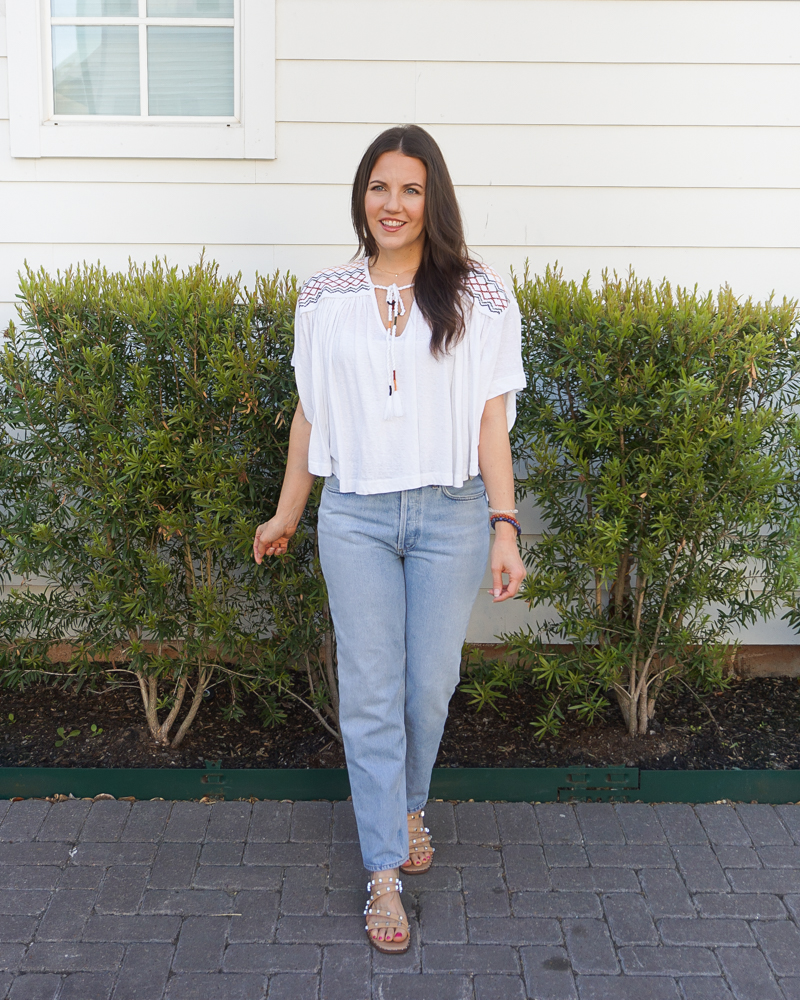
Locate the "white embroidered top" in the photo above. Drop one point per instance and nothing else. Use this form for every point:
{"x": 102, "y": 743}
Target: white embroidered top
{"x": 428, "y": 434}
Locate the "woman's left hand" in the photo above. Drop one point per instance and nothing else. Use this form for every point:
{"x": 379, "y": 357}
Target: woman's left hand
{"x": 506, "y": 559}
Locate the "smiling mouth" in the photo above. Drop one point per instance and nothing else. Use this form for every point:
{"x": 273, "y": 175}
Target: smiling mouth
{"x": 391, "y": 225}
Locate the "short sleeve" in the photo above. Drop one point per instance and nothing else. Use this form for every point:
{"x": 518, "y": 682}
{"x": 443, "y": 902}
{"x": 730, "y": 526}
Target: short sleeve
{"x": 302, "y": 361}
{"x": 508, "y": 374}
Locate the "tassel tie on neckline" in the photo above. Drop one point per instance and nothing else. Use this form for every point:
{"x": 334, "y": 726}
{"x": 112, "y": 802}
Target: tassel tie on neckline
{"x": 396, "y": 308}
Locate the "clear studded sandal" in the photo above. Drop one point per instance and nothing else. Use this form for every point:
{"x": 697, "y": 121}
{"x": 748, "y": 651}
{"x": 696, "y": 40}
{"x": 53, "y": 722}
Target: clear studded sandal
{"x": 419, "y": 842}
{"x": 376, "y": 918}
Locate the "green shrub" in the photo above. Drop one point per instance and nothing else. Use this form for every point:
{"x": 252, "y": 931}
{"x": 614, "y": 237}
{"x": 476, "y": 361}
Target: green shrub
{"x": 151, "y": 413}
{"x": 657, "y": 435}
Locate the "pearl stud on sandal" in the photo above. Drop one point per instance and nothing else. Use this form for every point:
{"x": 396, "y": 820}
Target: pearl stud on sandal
{"x": 419, "y": 842}
{"x": 378, "y": 918}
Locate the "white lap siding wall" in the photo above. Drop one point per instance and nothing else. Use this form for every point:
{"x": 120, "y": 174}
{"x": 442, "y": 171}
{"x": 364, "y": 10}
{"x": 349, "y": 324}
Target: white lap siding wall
{"x": 602, "y": 133}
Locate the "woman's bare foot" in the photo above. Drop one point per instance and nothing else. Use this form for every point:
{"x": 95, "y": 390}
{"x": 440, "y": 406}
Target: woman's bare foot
{"x": 387, "y": 925}
{"x": 420, "y": 851}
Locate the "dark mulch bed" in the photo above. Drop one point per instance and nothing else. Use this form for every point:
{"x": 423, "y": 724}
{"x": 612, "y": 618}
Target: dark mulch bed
{"x": 754, "y": 724}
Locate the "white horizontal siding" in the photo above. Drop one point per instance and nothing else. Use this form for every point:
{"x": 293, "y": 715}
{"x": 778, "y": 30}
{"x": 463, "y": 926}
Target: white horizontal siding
{"x": 538, "y": 93}
{"x": 679, "y": 31}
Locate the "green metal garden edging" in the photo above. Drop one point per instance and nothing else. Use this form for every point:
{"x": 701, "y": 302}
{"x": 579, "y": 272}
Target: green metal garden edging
{"x": 523, "y": 784}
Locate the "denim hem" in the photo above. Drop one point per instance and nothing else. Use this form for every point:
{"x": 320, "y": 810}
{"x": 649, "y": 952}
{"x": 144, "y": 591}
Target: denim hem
{"x": 420, "y": 806}
{"x": 384, "y": 868}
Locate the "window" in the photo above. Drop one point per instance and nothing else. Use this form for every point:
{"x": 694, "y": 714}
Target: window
{"x": 142, "y": 78}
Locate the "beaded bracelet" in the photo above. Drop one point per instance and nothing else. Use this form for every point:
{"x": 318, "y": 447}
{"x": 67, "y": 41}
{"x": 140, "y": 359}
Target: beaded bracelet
{"x": 502, "y": 517}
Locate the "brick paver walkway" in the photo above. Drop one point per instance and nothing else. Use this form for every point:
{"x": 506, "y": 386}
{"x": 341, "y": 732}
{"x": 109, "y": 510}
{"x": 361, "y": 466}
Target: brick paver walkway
{"x": 234, "y": 901}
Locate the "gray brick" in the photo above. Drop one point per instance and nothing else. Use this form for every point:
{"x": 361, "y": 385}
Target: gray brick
{"x": 344, "y": 825}
{"x": 293, "y": 986}
{"x": 442, "y": 917}
{"x": 557, "y": 824}
{"x": 303, "y": 892}
{"x": 144, "y": 972}
{"x": 440, "y": 987}
{"x": 34, "y": 854}
{"x": 622, "y": 988}
{"x": 793, "y": 902}
{"x": 548, "y": 973}
{"x": 700, "y": 869}
{"x": 24, "y": 901}
{"x": 599, "y": 823}
{"x": 790, "y": 987}
{"x": 595, "y": 879}
{"x": 463, "y": 855}
{"x": 734, "y": 856}
{"x": 11, "y": 956}
{"x": 630, "y": 856}
{"x": 516, "y": 822}
{"x": 525, "y": 867}
{"x": 784, "y": 856}
{"x": 122, "y": 890}
{"x": 87, "y": 986}
{"x": 73, "y": 956}
{"x": 763, "y": 824}
{"x": 565, "y": 856}
{"x": 23, "y": 819}
{"x": 35, "y": 986}
{"x": 468, "y": 958}
{"x": 311, "y": 822}
{"x": 174, "y": 865}
{"x": 485, "y": 893}
{"x": 764, "y": 880}
{"x": 705, "y": 933}
{"x": 666, "y": 893}
{"x": 270, "y": 822}
{"x": 232, "y": 878}
{"x": 680, "y": 824}
{"x": 269, "y": 958}
{"x": 780, "y": 941}
{"x": 187, "y": 822}
{"x": 745, "y": 906}
{"x": 346, "y": 972}
{"x": 82, "y": 878}
{"x": 147, "y": 821}
{"x": 17, "y": 928}
{"x": 640, "y": 824}
{"x": 187, "y": 902}
{"x": 346, "y": 902}
{"x": 668, "y": 962}
{"x": 321, "y": 930}
{"x": 64, "y": 821}
{"x": 590, "y": 948}
{"x": 346, "y": 868}
{"x": 514, "y": 930}
{"x": 556, "y": 904}
{"x": 229, "y": 822}
{"x": 476, "y": 824}
{"x": 705, "y": 988}
{"x": 440, "y": 817}
{"x": 201, "y": 944}
{"x": 258, "y": 919}
{"x": 499, "y": 988}
{"x": 722, "y": 825}
{"x": 5, "y": 979}
{"x": 66, "y": 915}
{"x": 216, "y": 987}
{"x": 33, "y": 877}
{"x": 105, "y": 822}
{"x": 131, "y": 927}
{"x": 444, "y": 877}
{"x": 107, "y": 854}
{"x": 748, "y": 974}
{"x": 222, "y": 854}
{"x": 629, "y": 919}
{"x": 286, "y": 854}
{"x": 790, "y": 815}
{"x": 5, "y": 805}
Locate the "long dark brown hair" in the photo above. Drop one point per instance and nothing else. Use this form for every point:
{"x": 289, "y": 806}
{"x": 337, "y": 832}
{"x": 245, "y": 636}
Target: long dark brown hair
{"x": 445, "y": 264}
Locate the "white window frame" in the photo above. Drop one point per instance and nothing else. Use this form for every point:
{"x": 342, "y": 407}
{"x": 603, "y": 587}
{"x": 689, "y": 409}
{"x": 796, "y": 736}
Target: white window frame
{"x": 36, "y": 132}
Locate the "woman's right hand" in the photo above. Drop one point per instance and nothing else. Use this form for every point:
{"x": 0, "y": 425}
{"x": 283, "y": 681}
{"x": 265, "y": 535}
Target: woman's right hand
{"x": 272, "y": 538}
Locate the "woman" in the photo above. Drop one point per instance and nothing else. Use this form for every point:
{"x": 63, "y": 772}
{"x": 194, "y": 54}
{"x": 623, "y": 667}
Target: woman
{"x": 407, "y": 363}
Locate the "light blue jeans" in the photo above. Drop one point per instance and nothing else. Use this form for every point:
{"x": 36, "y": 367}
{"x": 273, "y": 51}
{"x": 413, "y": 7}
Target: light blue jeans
{"x": 403, "y": 571}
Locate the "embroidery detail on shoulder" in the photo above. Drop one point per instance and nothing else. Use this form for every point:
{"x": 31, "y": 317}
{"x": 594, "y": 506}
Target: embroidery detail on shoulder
{"x": 487, "y": 288}
{"x": 341, "y": 280}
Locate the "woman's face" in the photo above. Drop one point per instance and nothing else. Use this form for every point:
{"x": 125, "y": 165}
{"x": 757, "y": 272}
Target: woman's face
{"x": 395, "y": 201}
